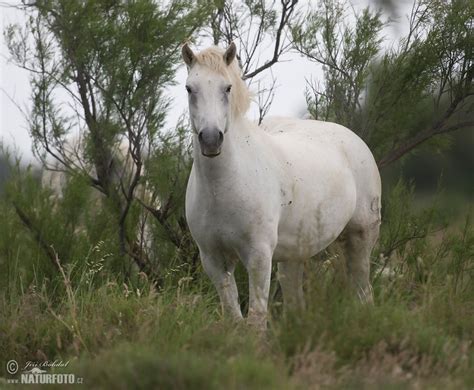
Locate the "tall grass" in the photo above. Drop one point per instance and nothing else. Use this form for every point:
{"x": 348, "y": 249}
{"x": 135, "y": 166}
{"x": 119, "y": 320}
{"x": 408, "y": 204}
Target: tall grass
{"x": 126, "y": 333}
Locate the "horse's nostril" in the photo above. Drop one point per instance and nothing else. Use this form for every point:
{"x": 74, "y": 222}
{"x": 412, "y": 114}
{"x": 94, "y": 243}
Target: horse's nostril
{"x": 221, "y": 136}
{"x": 200, "y": 136}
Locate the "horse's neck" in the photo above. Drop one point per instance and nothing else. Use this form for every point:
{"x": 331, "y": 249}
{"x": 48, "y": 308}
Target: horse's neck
{"x": 233, "y": 153}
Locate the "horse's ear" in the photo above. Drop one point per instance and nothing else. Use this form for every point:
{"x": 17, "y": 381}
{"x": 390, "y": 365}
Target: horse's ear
{"x": 229, "y": 54}
{"x": 188, "y": 55}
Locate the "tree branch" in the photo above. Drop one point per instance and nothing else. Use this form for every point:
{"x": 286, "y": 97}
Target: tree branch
{"x": 288, "y": 6}
{"x": 418, "y": 139}
{"x": 37, "y": 235}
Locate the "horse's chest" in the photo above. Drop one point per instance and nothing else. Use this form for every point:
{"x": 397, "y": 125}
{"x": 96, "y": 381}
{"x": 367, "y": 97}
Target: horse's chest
{"x": 229, "y": 222}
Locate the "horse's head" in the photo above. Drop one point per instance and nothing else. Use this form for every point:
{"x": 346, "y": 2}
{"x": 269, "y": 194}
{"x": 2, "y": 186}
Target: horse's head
{"x": 215, "y": 93}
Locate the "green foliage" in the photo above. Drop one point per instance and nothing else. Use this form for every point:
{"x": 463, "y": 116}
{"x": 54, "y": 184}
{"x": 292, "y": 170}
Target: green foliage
{"x": 424, "y": 76}
{"x": 345, "y": 52}
{"x": 81, "y": 234}
{"x": 99, "y": 72}
{"x": 404, "y": 226}
{"x": 397, "y": 99}
{"x": 167, "y": 174}
{"x": 114, "y": 59}
{"x": 419, "y": 251}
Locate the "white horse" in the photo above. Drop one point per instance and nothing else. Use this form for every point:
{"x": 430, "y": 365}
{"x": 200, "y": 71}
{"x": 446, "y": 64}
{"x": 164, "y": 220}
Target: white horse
{"x": 283, "y": 191}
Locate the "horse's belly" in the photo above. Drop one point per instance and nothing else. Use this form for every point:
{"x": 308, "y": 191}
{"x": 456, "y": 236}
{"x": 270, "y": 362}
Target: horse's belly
{"x": 304, "y": 244}
{"x": 300, "y": 239}
{"x": 316, "y": 217}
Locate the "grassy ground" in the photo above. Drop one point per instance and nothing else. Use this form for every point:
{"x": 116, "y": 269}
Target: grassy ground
{"x": 417, "y": 335}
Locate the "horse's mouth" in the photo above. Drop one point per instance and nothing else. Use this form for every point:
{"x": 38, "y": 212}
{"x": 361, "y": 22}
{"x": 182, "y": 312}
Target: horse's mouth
{"x": 211, "y": 155}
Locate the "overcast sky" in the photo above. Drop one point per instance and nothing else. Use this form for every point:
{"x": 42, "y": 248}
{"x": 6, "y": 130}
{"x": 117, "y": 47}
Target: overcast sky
{"x": 289, "y": 98}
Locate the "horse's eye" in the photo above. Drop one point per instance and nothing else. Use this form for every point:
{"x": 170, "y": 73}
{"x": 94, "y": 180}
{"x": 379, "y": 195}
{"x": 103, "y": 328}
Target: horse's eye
{"x": 188, "y": 89}
{"x": 228, "y": 88}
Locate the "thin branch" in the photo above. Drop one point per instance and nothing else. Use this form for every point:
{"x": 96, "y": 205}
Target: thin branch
{"x": 287, "y": 10}
{"x": 36, "y": 234}
{"x": 418, "y": 139}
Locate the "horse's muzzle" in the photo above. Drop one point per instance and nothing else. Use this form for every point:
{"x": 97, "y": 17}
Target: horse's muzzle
{"x": 210, "y": 140}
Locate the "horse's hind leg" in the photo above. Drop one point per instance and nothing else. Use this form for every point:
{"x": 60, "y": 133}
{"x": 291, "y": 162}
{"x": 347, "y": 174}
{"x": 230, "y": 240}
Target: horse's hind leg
{"x": 361, "y": 235}
{"x": 290, "y": 276}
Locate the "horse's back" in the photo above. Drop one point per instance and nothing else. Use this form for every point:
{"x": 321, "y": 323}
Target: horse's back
{"x": 320, "y": 136}
{"x": 335, "y": 172}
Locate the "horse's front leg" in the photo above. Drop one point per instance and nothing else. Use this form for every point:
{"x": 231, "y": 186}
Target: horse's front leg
{"x": 258, "y": 262}
{"x": 221, "y": 274}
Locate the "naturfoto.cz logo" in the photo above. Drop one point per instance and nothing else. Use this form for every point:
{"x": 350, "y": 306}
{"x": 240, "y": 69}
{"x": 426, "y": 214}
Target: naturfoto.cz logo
{"x": 36, "y": 373}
